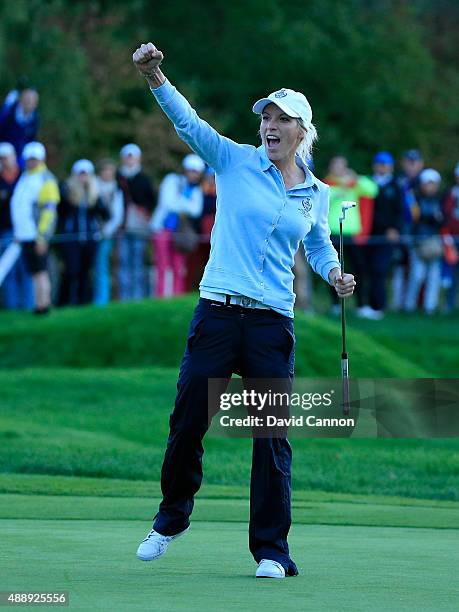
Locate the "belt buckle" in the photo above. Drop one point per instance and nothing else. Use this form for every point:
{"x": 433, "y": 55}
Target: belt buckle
{"x": 245, "y": 301}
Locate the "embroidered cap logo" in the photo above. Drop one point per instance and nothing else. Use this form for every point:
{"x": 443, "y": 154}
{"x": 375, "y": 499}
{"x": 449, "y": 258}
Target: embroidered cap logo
{"x": 280, "y": 94}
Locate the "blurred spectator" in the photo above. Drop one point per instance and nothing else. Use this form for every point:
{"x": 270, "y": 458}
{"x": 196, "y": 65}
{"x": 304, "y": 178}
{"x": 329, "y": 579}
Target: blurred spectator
{"x": 34, "y": 213}
{"x": 302, "y": 282}
{"x": 17, "y": 288}
{"x": 175, "y": 223}
{"x": 209, "y": 207}
{"x": 112, "y": 198}
{"x": 412, "y": 164}
{"x": 19, "y": 119}
{"x": 138, "y": 204}
{"x": 451, "y": 227}
{"x": 427, "y": 249}
{"x": 81, "y": 216}
{"x": 385, "y": 233}
{"x": 197, "y": 260}
{"x": 345, "y": 184}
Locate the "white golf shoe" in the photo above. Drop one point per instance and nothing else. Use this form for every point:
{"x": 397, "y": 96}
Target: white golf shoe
{"x": 155, "y": 545}
{"x": 269, "y": 569}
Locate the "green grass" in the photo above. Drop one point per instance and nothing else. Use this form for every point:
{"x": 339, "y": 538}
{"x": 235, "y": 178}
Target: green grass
{"x": 215, "y": 503}
{"x": 114, "y": 423}
{"x": 341, "y": 567}
{"x": 153, "y": 332}
{"x": 45, "y": 484}
{"x": 428, "y": 341}
{"x": 85, "y": 399}
{"x": 431, "y": 342}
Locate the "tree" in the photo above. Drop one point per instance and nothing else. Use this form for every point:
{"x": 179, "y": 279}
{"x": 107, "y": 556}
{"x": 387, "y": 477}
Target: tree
{"x": 379, "y": 73}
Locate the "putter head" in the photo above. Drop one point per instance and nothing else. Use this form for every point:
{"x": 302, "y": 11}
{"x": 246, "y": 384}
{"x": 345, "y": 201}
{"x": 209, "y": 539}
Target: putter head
{"x": 345, "y": 206}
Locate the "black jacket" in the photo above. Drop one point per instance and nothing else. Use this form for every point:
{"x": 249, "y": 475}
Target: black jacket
{"x": 6, "y": 191}
{"x": 430, "y": 215}
{"x": 137, "y": 189}
{"x": 388, "y": 209}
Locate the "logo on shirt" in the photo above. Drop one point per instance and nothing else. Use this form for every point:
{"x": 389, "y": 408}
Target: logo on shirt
{"x": 306, "y": 206}
{"x": 280, "y": 94}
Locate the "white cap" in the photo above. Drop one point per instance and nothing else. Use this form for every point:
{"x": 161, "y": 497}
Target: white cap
{"x": 131, "y": 149}
{"x": 193, "y": 162}
{"x": 429, "y": 175}
{"x": 6, "y": 149}
{"x": 34, "y": 150}
{"x": 293, "y": 103}
{"x": 83, "y": 165}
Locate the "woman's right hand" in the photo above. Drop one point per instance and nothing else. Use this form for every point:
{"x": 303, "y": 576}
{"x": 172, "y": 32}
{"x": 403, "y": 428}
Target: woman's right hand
{"x": 147, "y": 58}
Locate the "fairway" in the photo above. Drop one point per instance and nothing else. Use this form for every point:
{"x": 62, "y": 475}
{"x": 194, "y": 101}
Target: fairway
{"x": 341, "y": 567}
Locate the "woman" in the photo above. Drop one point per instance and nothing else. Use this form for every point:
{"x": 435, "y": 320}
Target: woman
{"x": 268, "y": 201}
{"x": 206, "y": 223}
{"x": 17, "y": 289}
{"x": 112, "y": 198}
{"x": 427, "y": 251}
{"x": 179, "y": 195}
{"x": 81, "y": 214}
{"x": 346, "y": 184}
{"x": 385, "y": 233}
{"x": 139, "y": 201}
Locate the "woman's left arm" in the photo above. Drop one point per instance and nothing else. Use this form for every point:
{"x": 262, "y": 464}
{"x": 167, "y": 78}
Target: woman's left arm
{"x": 320, "y": 252}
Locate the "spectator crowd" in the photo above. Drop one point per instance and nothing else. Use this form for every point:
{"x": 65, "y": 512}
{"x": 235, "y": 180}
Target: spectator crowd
{"x": 106, "y": 232}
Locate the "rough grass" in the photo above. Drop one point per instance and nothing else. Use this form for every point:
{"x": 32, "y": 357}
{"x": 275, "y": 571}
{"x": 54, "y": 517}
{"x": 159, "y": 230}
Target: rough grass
{"x": 113, "y": 424}
{"x": 153, "y": 332}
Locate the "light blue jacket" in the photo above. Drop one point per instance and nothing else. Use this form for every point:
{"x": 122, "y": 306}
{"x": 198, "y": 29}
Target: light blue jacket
{"x": 259, "y": 224}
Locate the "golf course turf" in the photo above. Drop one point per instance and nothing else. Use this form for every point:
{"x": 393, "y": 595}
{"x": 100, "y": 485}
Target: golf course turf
{"x": 85, "y": 401}
{"x": 342, "y": 566}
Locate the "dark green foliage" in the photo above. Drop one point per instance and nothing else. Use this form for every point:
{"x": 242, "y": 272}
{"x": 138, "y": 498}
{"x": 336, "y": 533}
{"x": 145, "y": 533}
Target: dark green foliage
{"x": 379, "y": 74}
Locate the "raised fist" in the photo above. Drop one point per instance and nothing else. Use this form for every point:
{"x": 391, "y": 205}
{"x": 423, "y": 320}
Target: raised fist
{"x": 147, "y": 58}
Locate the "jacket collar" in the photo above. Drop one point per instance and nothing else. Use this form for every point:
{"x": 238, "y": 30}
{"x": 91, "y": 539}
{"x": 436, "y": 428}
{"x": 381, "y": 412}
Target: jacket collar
{"x": 310, "y": 180}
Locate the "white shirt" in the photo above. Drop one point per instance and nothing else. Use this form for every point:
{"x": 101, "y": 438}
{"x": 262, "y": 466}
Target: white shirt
{"x": 172, "y": 200}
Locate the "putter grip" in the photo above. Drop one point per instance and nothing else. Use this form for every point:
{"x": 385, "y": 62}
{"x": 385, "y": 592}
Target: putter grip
{"x": 345, "y": 376}
{"x": 345, "y": 367}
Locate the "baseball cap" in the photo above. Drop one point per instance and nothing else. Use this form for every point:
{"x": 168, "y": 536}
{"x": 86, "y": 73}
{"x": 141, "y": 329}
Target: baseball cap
{"x": 6, "y": 149}
{"x": 429, "y": 175}
{"x": 34, "y": 150}
{"x": 412, "y": 155}
{"x": 83, "y": 165}
{"x": 383, "y": 157}
{"x": 131, "y": 149}
{"x": 193, "y": 162}
{"x": 293, "y": 103}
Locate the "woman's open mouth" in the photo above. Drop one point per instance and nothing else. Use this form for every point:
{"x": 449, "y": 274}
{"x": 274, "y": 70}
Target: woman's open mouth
{"x": 272, "y": 142}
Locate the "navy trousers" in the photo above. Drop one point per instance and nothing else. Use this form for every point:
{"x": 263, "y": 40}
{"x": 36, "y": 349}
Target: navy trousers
{"x": 254, "y": 343}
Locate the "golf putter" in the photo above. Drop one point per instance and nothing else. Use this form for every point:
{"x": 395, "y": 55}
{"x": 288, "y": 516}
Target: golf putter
{"x": 344, "y": 356}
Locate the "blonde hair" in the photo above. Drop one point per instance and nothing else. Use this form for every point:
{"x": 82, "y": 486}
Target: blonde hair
{"x": 80, "y": 195}
{"x": 304, "y": 149}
